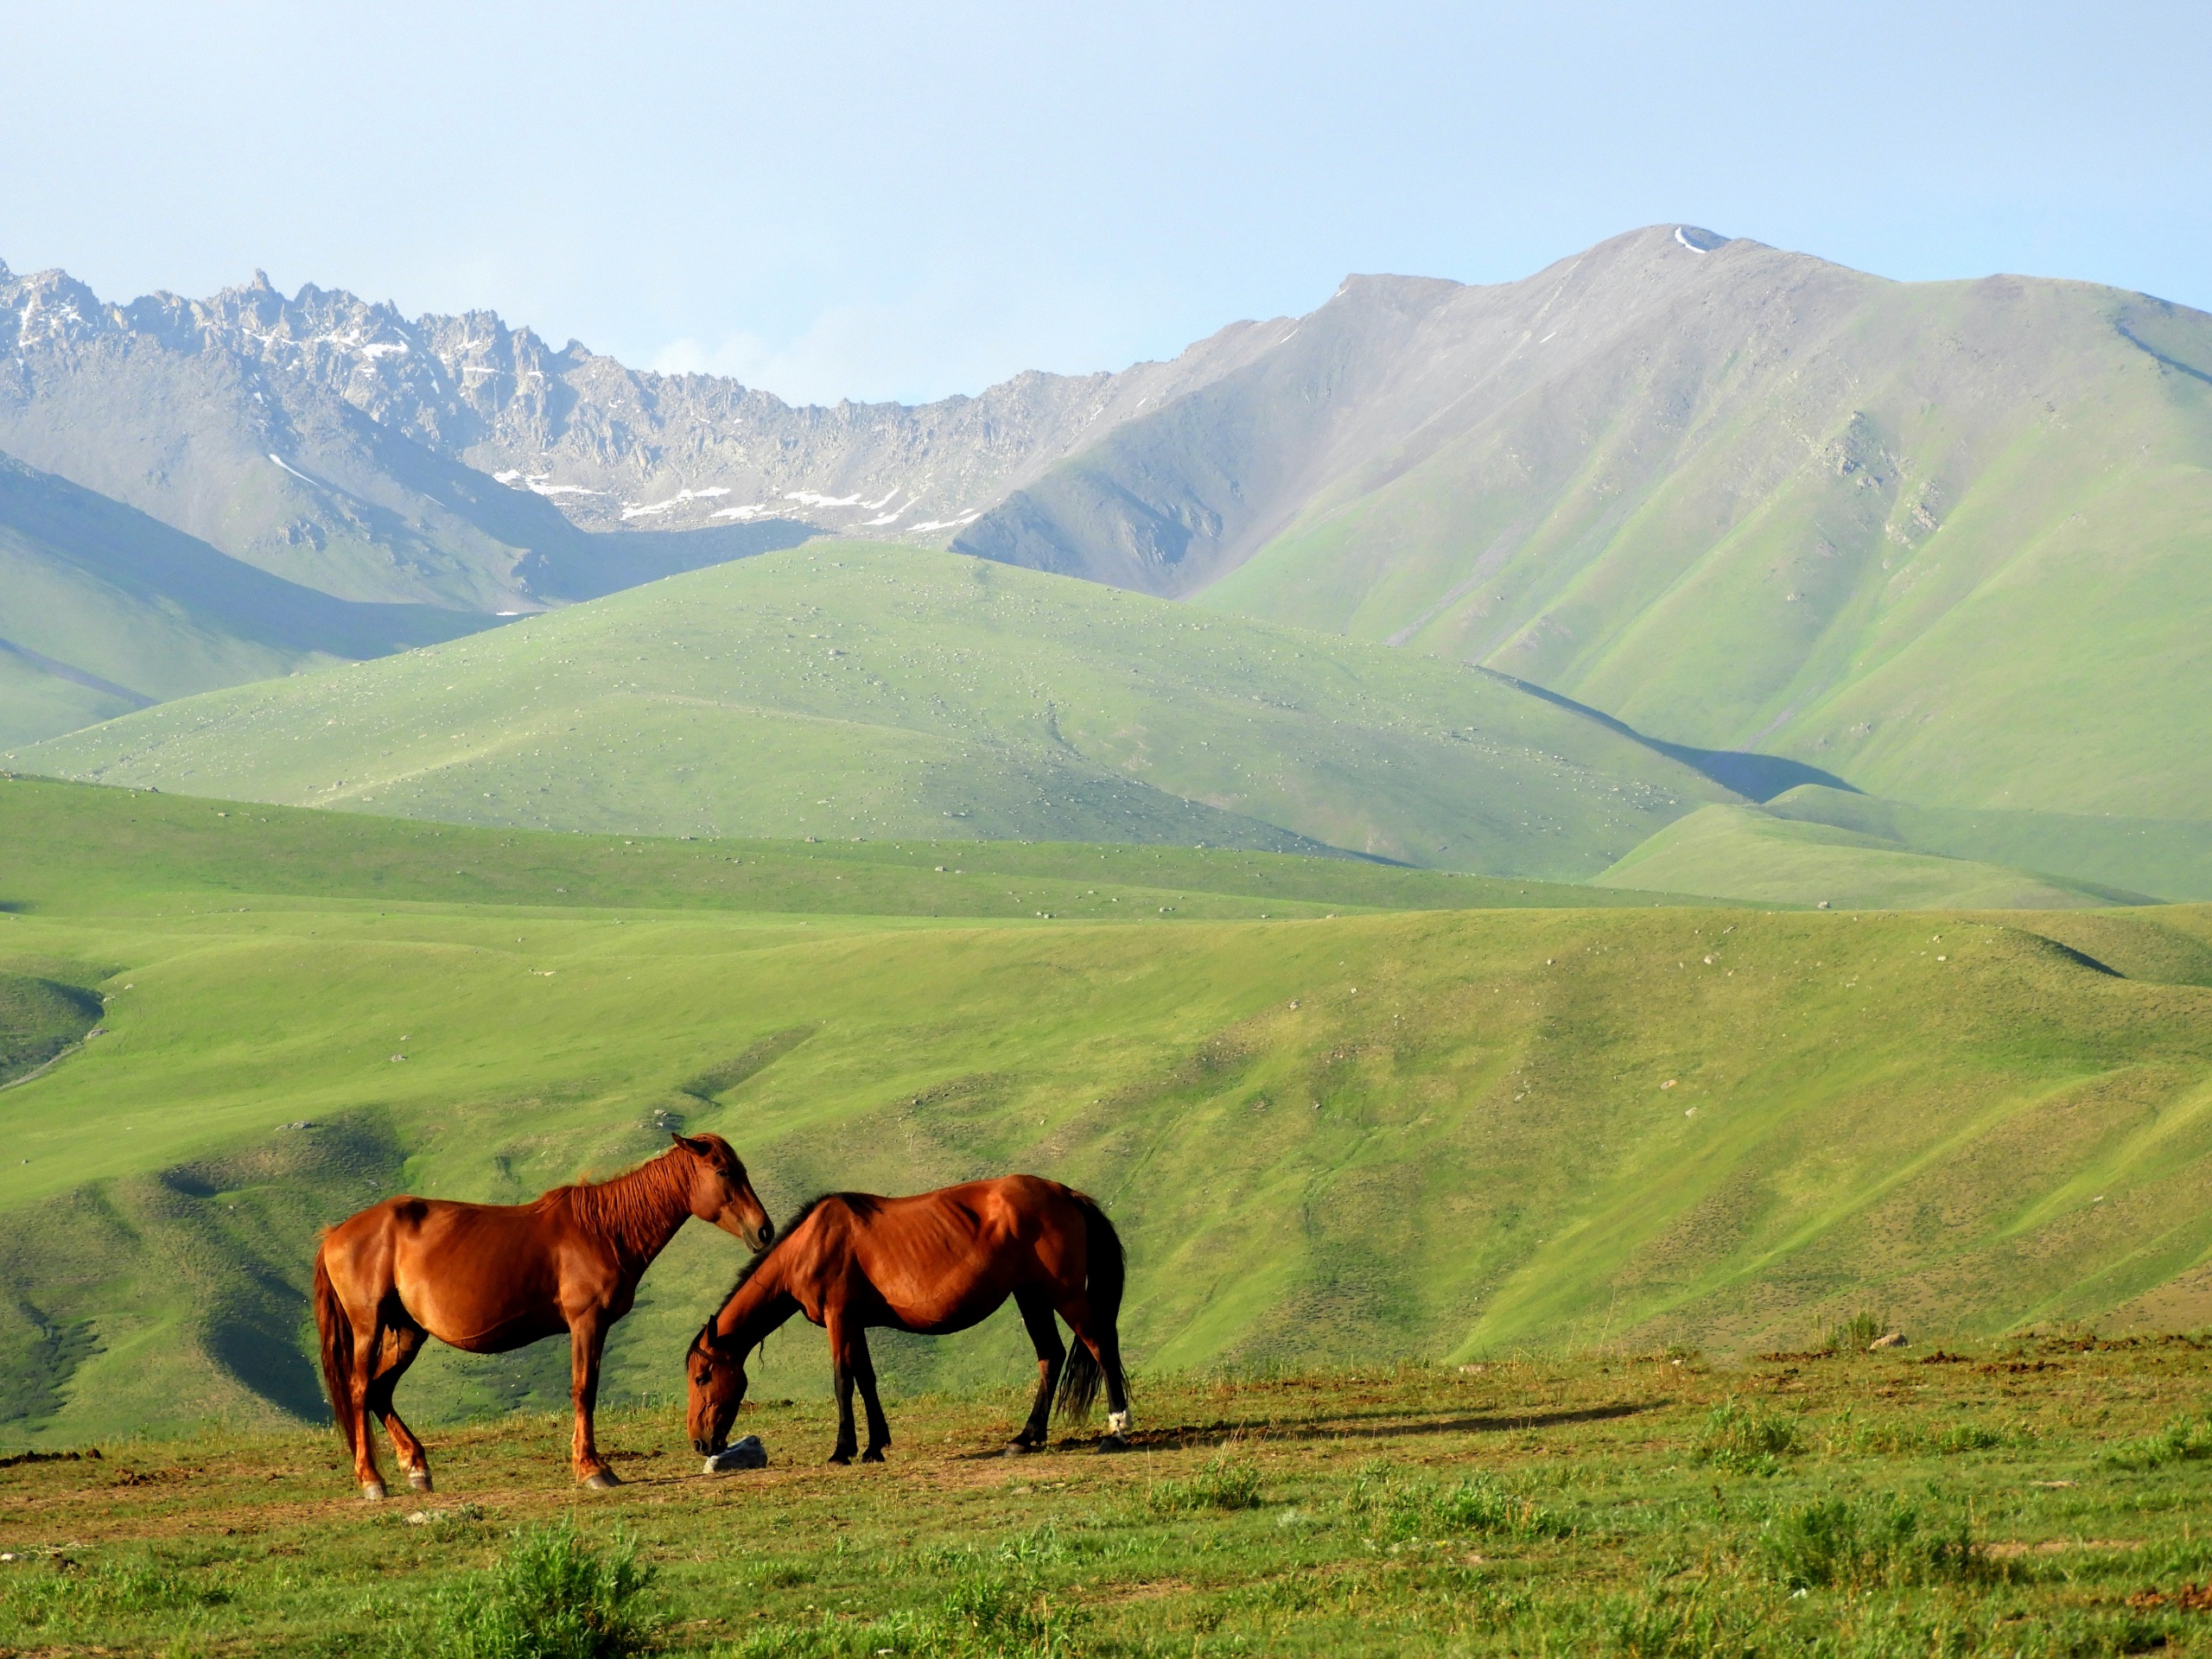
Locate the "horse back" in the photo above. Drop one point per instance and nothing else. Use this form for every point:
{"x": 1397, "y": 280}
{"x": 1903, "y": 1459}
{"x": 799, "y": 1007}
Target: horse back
{"x": 943, "y": 1259}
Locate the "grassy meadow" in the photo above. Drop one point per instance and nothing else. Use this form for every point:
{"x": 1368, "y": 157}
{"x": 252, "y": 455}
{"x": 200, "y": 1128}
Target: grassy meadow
{"x": 847, "y": 688}
{"x": 2042, "y": 1496}
{"x": 1746, "y": 852}
{"x": 1327, "y": 1127}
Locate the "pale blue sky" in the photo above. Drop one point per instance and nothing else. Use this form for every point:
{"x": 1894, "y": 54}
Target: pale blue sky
{"x": 832, "y": 198}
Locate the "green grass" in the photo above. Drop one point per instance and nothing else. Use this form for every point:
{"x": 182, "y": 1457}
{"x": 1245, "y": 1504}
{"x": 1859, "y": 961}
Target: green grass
{"x": 2170, "y": 858}
{"x": 78, "y": 846}
{"x": 1542, "y": 1506}
{"x": 1395, "y": 1131}
{"x": 848, "y": 690}
{"x": 1747, "y": 853}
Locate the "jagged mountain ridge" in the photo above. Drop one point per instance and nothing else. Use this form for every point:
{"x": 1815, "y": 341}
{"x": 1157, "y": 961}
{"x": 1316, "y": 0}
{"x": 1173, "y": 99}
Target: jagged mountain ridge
{"x": 613, "y": 448}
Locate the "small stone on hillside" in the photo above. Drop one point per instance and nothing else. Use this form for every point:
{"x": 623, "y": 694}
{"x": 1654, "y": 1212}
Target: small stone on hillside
{"x": 1894, "y": 1339}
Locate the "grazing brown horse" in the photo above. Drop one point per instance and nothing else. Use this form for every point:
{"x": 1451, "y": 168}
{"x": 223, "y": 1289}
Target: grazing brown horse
{"x": 934, "y": 1264}
{"x": 492, "y": 1277}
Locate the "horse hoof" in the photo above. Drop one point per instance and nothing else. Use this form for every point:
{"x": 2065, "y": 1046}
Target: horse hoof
{"x": 373, "y": 1490}
{"x": 419, "y": 1479}
{"x": 605, "y": 1479}
{"x": 872, "y": 1455}
{"x": 1113, "y": 1443}
{"x": 1023, "y": 1448}
{"x": 840, "y": 1459}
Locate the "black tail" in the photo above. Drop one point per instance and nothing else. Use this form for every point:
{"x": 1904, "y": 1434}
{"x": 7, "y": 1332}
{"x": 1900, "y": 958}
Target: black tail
{"x": 1080, "y": 1382}
{"x": 337, "y": 1332}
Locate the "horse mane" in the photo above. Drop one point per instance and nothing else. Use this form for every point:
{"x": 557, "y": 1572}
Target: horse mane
{"x": 627, "y": 1205}
{"x": 860, "y": 1203}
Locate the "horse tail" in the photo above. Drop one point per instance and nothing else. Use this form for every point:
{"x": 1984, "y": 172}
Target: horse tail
{"x": 1080, "y": 1382}
{"x": 337, "y": 1330}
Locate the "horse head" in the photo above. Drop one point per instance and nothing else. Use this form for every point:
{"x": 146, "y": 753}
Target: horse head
{"x": 721, "y": 1192}
{"x": 717, "y": 1374}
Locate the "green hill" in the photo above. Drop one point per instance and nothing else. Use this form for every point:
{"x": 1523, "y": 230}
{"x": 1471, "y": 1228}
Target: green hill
{"x": 1447, "y": 1132}
{"x": 2172, "y": 858}
{"x": 1744, "y": 852}
{"x": 104, "y": 609}
{"x": 1946, "y": 540}
{"x": 849, "y": 690}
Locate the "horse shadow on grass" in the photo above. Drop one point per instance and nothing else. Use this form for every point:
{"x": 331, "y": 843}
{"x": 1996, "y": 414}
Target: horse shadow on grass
{"x": 1353, "y": 1427}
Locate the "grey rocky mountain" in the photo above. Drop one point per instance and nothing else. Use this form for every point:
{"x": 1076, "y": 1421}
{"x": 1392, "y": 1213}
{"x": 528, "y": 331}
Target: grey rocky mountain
{"x": 336, "y": 443}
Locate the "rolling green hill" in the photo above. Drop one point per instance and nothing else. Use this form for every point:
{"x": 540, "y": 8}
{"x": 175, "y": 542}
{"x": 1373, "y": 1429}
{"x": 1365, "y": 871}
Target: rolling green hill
{"x": 1746, "y": 852}
{"x": 1446, "y": 1132}
{"x": 104, "y": 609}
{"x": 849, "y": 690}
{"x": 2172, "y": 858}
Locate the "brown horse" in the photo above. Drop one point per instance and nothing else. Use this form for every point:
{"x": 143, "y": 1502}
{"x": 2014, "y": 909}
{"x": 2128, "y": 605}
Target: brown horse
{"x": 492, "y": 1277}
{"x": 935, "y": 1263}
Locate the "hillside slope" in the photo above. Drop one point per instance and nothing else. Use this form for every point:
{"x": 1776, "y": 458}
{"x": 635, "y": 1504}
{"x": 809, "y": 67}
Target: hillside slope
{"x": 112, "y": 610}
{"x": 1746, "y": 852}
{"x": 1445, "y": 1133}
{"x": 852, "y": 689}
{"x": 1945, "y": 540}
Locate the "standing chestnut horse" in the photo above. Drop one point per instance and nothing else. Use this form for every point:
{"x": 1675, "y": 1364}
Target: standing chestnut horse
{"x": 935, "y": 1263}
{"x": 492, "y": 1277}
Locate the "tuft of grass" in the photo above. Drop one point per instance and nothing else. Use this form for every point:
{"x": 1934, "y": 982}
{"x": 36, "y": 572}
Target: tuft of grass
{"x": 1745, "y": 1440}
{"x": 1406, "y": 1507}
{"x": 555, "y": 1595}
{"x": 2185, "y": 1439}
{"x": 1847, "y": 1543}
{"x": 1855, "y": 1333}
{"x": 1226, "y": 1482}
{"x": 61, "y": 1595}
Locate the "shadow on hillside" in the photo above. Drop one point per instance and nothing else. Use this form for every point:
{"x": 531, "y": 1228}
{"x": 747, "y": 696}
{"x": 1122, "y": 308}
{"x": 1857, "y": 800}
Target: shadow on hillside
{"x": 1756, "y": 776}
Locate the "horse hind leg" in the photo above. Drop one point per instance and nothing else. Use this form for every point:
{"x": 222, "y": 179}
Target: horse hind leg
{"x": 359, "y": 1394}
{"x": 401, "y": 1343}
{"x": 1102, "y": 1345}
{"x": 1051, "y": 1355}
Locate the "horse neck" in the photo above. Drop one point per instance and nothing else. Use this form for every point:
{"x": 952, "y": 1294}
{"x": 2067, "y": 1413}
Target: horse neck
{"x": 757, "y": 1307}
{"x": 639, "y": 1213}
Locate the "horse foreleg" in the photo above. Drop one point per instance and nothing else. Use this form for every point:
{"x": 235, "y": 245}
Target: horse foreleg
{"x": 863, "y": 1367}
{"x": 1051, "y": 1355}
{"x": 841, "y": 1370}
{"x": 401, "y": 1345}
{"x": 587, "y": 1339}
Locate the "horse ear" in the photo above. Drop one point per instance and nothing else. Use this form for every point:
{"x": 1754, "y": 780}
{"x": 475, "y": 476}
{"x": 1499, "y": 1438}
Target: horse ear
{"x": 689, "y": 1145}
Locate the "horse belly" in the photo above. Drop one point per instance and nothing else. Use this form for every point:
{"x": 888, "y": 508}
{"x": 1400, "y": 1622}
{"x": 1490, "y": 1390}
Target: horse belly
{"x": 470, "y": 1293}
{"x": 940, "y": 1315}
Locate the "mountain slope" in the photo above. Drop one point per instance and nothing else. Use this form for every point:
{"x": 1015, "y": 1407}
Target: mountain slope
{"x": 102, "y": 609}
{"x": 389, "y": 427}
{"x": 1449, "y": 1134}
{"x": 1948, "y": 541}
{"x": 853, "y": 689}
{"x": 1748, "y": 853}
